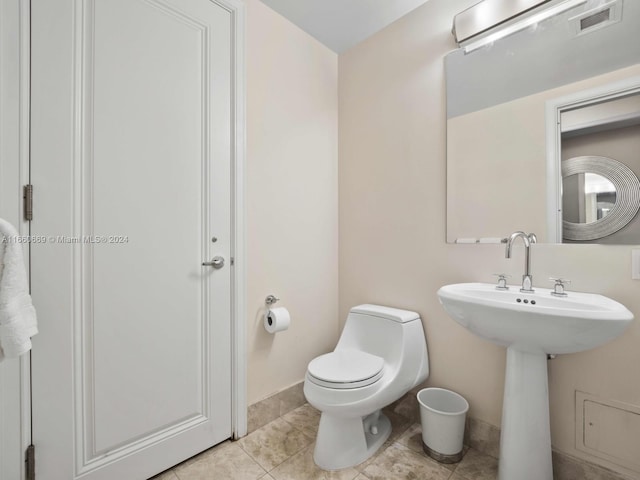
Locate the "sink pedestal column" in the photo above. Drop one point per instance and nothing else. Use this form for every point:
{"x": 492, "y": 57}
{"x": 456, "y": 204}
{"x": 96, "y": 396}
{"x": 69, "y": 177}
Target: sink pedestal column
{"x": 525, "y": 441}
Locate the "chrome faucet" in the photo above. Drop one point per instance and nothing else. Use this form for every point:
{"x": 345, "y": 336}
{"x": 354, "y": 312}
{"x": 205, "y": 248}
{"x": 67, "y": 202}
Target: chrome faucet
{"x": 527, "y": 279}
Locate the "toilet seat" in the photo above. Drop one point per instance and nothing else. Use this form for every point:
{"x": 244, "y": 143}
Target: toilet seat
{"x": 345, "y": 369}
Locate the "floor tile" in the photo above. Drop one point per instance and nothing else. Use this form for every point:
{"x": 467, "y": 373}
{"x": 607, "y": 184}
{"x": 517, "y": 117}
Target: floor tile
{"x": 412, "y": 439}
{"x": 274, "y": 443}
{"x": 478, "y": 466}
{"x": 455, "y": 476}
{"x": 304, "y": 418}
{"x": 226, "y": 461}
{"x": 283, "y": 450}
{"x": 399, "y": 462}
{"x": 205, "y": 454}
{"x": 301, "y": 466}
{"x": 168, "y": 475}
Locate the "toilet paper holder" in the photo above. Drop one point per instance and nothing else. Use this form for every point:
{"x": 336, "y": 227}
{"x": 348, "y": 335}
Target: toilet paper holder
{"x": 271, "y": 299}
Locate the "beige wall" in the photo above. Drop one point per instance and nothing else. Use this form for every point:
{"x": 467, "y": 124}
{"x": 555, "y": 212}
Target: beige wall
{"x": 292, "y": 194}
{"x": 392, "y": 227}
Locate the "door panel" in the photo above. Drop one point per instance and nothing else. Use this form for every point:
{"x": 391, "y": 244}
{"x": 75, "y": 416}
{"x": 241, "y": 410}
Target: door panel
{"x": 131, "y": 163}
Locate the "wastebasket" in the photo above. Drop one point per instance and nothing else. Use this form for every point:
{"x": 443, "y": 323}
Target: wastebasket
{"x": 443, "y": 414}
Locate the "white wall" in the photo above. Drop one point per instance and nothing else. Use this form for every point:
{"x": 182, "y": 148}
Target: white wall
{"x": 292, "y": 190}
{"x": 392, "y": 227}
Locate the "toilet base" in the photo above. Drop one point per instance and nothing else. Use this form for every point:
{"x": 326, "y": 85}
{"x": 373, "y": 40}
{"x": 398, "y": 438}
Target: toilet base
{"x": 346, "y": 442}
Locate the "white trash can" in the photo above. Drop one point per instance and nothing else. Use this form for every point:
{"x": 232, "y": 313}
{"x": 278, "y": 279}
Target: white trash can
{"x": 443, "y": 414}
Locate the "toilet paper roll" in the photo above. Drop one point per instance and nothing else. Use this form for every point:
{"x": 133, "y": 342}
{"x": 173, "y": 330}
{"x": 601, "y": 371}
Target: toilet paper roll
{"x": 277, "y": 320}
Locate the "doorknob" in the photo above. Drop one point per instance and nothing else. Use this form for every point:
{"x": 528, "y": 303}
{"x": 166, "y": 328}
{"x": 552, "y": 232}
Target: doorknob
{"x": 217, "y": 262}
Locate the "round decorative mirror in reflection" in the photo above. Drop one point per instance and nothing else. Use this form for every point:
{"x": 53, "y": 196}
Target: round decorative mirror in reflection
{"x": 599, "y": 197}
{"x": 587, "y": 197}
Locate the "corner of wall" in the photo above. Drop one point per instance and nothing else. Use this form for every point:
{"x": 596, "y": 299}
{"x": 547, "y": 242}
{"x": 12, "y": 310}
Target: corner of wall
{"x": 292, "y": 197}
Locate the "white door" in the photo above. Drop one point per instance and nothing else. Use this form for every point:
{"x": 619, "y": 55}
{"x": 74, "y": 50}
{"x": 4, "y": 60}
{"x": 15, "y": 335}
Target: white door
{"x": 130, "y": 163}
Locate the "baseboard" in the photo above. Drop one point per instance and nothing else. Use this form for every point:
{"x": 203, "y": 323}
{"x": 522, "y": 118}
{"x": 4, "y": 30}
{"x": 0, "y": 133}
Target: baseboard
{"x": 274, "y": 406}
{"x": 485, "y": 438}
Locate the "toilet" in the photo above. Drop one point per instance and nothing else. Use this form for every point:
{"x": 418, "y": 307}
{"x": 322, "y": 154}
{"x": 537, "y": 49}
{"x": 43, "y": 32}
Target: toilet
{"x": 381, "y": 355}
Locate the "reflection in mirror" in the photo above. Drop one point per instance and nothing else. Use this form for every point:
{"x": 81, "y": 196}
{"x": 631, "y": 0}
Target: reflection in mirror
{"x": 600, "y": 195}
{"x": 587, "y": 197}
{"x": 600, "y": 200}
{"x": 497, "y": 96}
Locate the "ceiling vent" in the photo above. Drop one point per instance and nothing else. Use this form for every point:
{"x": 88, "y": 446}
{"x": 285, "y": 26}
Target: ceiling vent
{"x": 597, "y": 18}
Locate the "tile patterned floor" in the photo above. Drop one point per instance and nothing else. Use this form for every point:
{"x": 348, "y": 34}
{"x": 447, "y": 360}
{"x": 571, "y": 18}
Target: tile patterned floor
{"x": 283, "y": 450}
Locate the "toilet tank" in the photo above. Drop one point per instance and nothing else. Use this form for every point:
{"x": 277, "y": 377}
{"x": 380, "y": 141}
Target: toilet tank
{"x": 393, "y": 334}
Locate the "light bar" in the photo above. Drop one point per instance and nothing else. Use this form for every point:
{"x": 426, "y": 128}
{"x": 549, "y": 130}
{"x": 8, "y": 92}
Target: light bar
{"x": 524, "y": 23}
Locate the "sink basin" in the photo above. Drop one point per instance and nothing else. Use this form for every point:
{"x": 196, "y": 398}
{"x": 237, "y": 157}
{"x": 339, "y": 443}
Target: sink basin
{"x": 577, "y": 322}
{"x": 531, "y": 325}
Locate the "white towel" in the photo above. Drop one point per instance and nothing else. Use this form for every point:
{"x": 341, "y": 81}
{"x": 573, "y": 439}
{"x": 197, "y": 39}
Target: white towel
{"x": 17, "y": 315}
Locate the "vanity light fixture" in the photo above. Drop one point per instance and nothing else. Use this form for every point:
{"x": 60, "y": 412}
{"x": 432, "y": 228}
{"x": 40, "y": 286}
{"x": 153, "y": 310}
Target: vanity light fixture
{"x": 524, "y": 23}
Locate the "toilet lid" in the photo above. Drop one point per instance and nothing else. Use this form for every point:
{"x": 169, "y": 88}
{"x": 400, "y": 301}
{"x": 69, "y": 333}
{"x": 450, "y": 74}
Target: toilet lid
{"x": 346, "y": 369}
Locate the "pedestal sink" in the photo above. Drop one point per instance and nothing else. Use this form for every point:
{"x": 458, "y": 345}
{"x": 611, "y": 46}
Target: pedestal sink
{"x": 531, "y": 325}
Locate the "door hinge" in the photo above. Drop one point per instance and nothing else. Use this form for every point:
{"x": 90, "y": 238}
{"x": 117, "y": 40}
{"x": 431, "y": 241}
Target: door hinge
{"x": 30, "y": 460}
{"x": 27, "y": 196}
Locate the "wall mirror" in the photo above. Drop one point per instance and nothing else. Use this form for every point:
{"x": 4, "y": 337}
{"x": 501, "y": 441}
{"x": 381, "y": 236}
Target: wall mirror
{"x": 500, "y": 141}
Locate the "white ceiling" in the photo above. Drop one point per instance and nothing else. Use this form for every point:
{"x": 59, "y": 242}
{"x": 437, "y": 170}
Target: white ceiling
{"x": 340, "y": 24}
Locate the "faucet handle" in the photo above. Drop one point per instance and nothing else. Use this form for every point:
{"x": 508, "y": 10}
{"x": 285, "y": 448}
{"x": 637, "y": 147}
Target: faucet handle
{"x": 558, "y": 288}
{"x": 502, "y": 281}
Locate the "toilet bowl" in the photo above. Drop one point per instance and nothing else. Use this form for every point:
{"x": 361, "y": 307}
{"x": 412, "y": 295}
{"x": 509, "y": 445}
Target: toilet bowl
{"x": 381, "y": 355}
